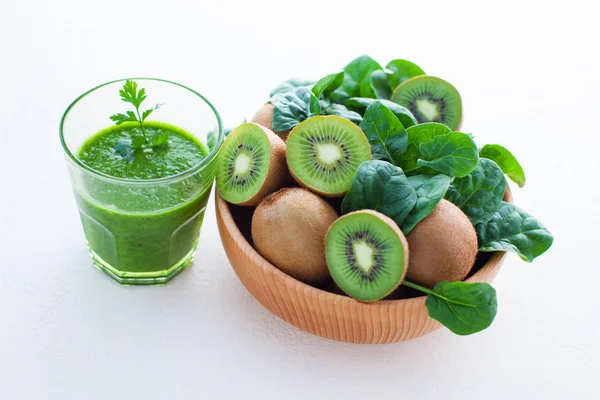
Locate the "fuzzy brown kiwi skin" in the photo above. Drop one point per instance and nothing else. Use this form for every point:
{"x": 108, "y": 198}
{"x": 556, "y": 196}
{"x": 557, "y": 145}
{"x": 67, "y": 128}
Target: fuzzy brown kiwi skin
{"x": 443, "y": 246}
{"x": 278, "y": 175}
{"x": 264, "y": 117}
{"x": 403, "y": 239}
{"x": 288, "y": 229}
{"x": 323, "y": 194}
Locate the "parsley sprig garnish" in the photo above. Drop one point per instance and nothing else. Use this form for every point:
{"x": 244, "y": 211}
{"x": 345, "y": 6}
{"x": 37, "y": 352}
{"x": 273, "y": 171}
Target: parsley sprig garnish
{"x": 127, "y": 148}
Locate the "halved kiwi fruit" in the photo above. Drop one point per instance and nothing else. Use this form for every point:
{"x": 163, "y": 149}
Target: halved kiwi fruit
{"x": 443, "y": 246}
{"x": 324, "y": 152}
{"x": 430, "y": 99}
{"x": 288, "y": 229}
{"x": 367, "y": 254}
{"x": 250, "y": 165}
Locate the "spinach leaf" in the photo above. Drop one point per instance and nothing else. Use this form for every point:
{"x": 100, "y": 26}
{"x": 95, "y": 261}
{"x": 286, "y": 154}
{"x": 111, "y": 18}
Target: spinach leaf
{"x": 357, "y": 80}
{"x": 342, "y": 111}
{"x": 401, "y": 71}
{"x": 507, "y": 162}
{"x": 512, "y": 229}
{"x": 290, "y": 85}
{"x": 338, "y": 96}
{"x": 360, "y": 104}
{"x": 430, "y": 189}
{"x": 464, "y": 308}
{"x": 291, "y": 108}
{"x": 385, "y": 133}
{"x": 479, "y": 194}
{"x": 328, "y": 84}
{"x": 380, "y": 186}
{"x": 418, "y": 134}
{"x": 211, "y": 138}
{"x": 380, "y": 85}
{"x": 453, "y": 154}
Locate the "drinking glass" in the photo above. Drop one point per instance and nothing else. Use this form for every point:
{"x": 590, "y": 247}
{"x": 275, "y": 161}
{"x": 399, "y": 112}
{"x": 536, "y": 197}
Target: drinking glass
{"x": 142, "y": 231}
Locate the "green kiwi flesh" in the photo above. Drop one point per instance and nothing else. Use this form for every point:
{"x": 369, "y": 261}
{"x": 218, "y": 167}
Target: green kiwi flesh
{"x": 430, "y": 99}
{"x": 250, "y": 165}
{"x": 324, "y": 152}
{"x": 367, "y": 255}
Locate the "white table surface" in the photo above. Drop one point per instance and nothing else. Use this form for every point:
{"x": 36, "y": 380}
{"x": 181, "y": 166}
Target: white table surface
{"x": 529, "y": 76}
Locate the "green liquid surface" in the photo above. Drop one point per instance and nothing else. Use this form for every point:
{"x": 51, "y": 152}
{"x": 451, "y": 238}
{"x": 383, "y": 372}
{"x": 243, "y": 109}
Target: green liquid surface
{"x": 181, "y": 154}
{"x": 140, "y": 232}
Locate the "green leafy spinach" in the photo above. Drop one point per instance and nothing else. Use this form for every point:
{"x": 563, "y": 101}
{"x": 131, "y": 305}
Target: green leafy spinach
{"x": 454, "y": 154}
{"x": 291, "y": 108}
{"x": 328, "y": 84}
{"x": 479, "y": 194}
{"x": 380, "y": 85}
{"x": 418, "y": 134}
{"x": 401, "y": 71}
{"x": 380, "y": 186}
{"x": 357, "y": 80}
{"x": 464, "y": 308}
{"x": 342, "y": 111}
{"x": 360, "y": 104}
{"x": 290, "y": 85}
{"x": 385, "y": 133}
{"x": 430, "y": 189}
{"x": 507, "y": 162}
{"x": 512, "y": 229}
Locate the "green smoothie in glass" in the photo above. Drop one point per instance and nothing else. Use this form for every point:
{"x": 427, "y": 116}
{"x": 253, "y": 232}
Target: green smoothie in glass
{"x": 142, "y": 185}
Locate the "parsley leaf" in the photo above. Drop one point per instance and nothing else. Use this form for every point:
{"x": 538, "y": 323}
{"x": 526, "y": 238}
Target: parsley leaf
{"x": 146, "y": 113}
{"x": 137, "y": 142}
{"x": 160, "y": 139}
{"x": 130, "y": 94}
{"x": 120, "y": 118}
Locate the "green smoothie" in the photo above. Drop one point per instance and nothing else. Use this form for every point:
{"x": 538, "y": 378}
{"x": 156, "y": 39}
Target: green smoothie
{"x": 137, "y": 231}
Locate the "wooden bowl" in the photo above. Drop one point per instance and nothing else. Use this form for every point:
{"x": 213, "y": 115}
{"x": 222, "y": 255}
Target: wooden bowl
{"x": 329, "y": 315}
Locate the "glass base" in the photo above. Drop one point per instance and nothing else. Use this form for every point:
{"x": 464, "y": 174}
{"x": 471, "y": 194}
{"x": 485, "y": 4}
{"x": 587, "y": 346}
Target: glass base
{"x": 143, "y": 278}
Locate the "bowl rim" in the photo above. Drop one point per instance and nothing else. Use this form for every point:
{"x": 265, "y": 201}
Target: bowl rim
{"x": 223, "y": 208}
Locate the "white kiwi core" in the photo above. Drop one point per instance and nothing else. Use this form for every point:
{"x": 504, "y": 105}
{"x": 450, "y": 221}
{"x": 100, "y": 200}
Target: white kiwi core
{"x": 242, "y": 163}
{"x": 364, "y": 255}
{"x": 329, "y": 153}
{"x": 428, "y": 109}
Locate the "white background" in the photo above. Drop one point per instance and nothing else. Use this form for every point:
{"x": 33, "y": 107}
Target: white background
{"x": 529, "y": 76}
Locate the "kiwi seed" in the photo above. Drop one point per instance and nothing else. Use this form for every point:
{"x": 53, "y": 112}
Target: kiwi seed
{"x": 367, "y": 254}
{"x": 324, "y": 152}
{"x": 288, "y": 229}
{"x": 250, "y": 165}
{"x": 443, "y": 246}
{"x": 430, "y": 99}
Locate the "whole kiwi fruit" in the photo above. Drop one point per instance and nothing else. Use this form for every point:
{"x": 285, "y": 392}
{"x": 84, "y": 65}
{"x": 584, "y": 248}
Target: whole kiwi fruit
{"x": 264, "y": 117}
{"x": 443, "y": 246}
{"x": 289, "y": 228}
